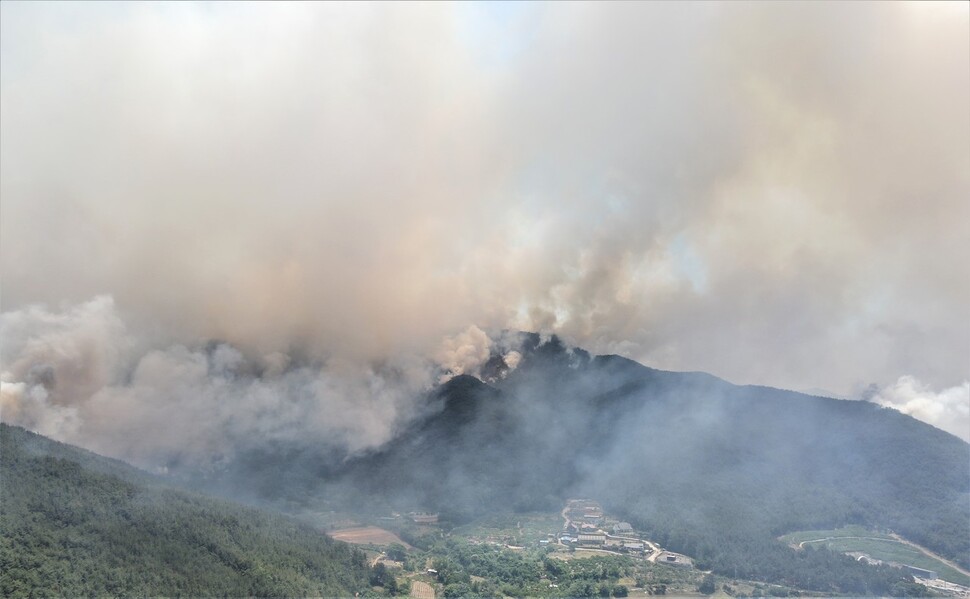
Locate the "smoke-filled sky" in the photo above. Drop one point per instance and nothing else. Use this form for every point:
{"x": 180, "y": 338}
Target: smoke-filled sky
{"x": 776, "y": 193}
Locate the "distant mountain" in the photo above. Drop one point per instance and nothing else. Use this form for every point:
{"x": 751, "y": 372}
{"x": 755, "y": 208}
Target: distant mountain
{"x": 76, "y": 524}
{"x": 712, "y": 469}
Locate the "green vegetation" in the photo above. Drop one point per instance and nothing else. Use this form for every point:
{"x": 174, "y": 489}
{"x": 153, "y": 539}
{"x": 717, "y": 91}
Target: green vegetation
{"x": 795, "y": 538}
{"x": 475, "y": 569}
{"x": 74, "y": 524}
{"x": 741, "y": 550}
{"x": 467, "y": 569}
{"x": 514, "y": 529}
{"x": 878, "y": 546}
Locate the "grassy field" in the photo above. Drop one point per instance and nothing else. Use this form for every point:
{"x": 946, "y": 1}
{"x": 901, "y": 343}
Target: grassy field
{"x": 847, "y": 531}
{"x": 877, "y": 546}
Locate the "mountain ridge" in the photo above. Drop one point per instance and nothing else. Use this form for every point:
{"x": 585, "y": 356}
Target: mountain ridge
{"x": 648, "y": 442}
{"x": 705, "y": 467}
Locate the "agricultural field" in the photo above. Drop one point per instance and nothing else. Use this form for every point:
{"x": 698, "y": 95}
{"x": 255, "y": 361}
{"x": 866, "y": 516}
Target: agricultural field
{"x": 367, "y": 535}
{"x": 513, "y": 529}
{"x": 877, "y": 545}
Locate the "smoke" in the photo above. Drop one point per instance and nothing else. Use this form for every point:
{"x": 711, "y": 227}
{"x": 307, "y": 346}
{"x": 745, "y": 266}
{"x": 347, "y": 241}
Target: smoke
{"x": 948, "y": 409}
{"x": 464, "y": 353}
{"x": 75, "y": 375}
{"x": 773, "y": 193}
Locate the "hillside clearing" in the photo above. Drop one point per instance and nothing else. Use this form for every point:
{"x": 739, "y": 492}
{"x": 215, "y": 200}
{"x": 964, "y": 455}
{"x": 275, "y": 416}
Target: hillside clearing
{"x": 879, "y": 546}
{"x": 367, "y": 535}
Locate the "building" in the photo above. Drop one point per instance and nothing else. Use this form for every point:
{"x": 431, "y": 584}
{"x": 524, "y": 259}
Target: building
{"x": 421, "y": 518}
{"x": 673, "y": 559}
{"x": 592, "y": 539}
{"x": 622, "y": 528}
{"x": 633, "y": 547}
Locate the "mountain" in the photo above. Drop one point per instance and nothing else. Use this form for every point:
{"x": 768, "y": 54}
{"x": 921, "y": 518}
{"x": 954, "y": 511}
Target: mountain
{"x": 707, "y": 468}
{"x": 711, "y": 469}
{"x": 76, "y": 524}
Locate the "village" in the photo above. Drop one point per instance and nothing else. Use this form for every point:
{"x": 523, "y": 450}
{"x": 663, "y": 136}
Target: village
{"x": 586, "y": 526}
{"x": 581, "y": 531}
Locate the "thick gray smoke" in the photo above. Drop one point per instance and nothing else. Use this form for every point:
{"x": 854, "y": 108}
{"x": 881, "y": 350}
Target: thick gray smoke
{"x": 774, "y": 193}
{"x": 79, "y": 376}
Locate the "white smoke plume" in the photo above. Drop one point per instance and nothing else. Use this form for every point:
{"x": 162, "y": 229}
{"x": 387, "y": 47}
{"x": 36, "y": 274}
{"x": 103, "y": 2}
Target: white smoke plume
{"x": 770, "y": 192}
{"x": 464, "y": 353}
{"x": 512, "y": 359}
{"x": 948, "y": 409}
{"x": 74, "y": 375}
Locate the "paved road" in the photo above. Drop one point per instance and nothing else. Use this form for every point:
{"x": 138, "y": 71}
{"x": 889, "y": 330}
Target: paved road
{"x": 655, "y": 549}
{"x": 802, "y": 544}
{"x": 926, "y": 551}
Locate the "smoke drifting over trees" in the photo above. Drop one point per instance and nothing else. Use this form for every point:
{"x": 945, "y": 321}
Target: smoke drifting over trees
{"x": 82, "y": 376}
{"x": 336, "y": 193}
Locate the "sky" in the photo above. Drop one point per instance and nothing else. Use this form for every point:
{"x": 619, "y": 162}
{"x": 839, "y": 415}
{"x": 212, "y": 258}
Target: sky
{"x": 775, "y": 193}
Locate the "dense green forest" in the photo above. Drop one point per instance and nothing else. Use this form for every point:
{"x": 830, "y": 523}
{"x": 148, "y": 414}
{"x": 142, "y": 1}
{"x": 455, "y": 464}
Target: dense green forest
{"x": 74, "y": 524}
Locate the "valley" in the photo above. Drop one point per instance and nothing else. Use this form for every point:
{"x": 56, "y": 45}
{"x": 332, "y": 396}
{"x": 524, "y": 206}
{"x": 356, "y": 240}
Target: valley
{"x": 509, "y": 554}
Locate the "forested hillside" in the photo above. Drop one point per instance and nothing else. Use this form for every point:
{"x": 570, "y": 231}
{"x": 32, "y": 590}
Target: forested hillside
{"x": 711, "y": 469}
{"x": 74, "y": 524}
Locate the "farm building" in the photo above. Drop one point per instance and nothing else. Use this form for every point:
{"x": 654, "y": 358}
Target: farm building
{"x": 592, "y": 539}
{"x": 622, "y": 528}
{"x": 421, "y": 518}
{"x": 633, "y": 547}
{"x": 673, "y": 559}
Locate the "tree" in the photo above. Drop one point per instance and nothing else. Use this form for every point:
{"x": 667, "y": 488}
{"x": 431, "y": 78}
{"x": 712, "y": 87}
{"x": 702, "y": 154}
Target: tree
{"x": 707, "y": 585}
{"x": 397, "y": 552}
